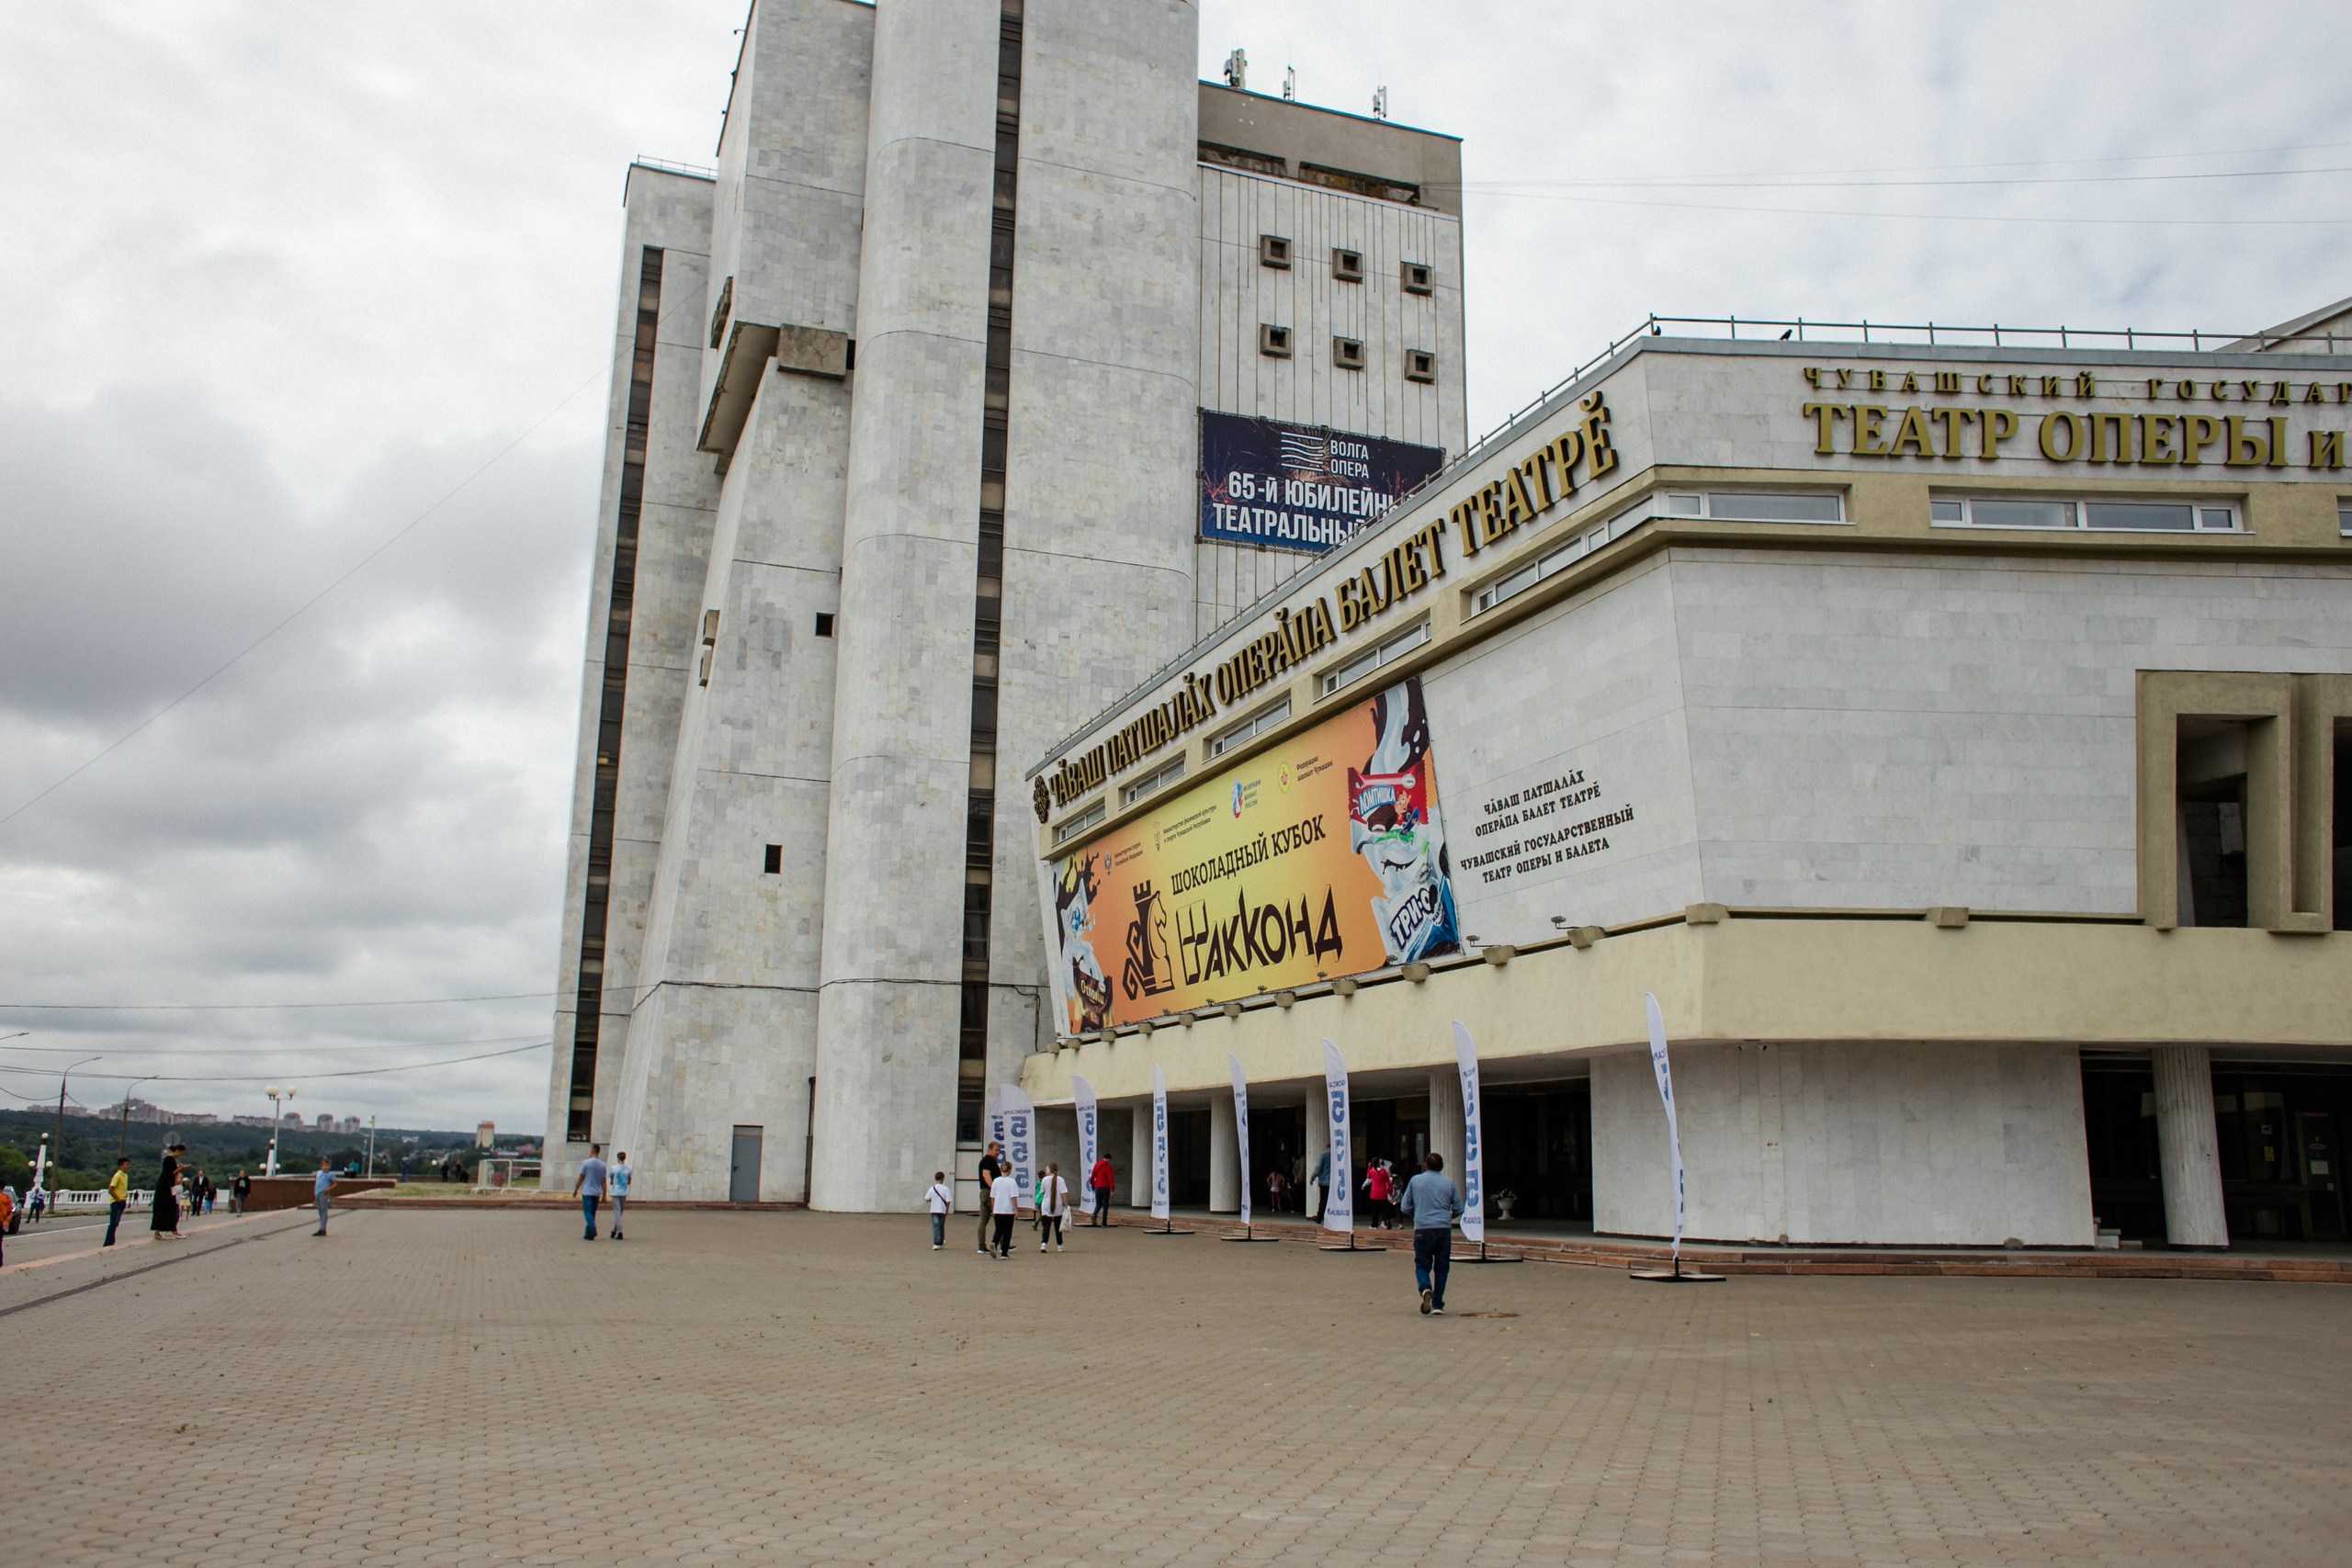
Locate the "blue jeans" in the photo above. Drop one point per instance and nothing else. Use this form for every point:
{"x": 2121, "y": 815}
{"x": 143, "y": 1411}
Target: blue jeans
{"x": 938, "y": 1230}
{"x": 588, "y": 1211}
{"x": 114, "y": 1219}
{"x": 1433, "y": 1256}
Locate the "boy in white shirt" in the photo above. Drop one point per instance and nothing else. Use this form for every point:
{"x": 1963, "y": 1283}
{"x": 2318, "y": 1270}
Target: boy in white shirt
{"x": 1005, "y": 1203}
{"x": 939, "y": 1200}
{"x": 617, "y": 1176}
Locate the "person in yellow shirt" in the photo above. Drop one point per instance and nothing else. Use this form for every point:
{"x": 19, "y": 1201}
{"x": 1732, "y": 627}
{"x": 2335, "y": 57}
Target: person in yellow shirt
{"x": 117, "y": 1198}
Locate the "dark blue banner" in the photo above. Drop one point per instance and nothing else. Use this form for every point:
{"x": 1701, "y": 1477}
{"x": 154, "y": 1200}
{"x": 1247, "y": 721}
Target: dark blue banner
{"x": 1299, "y": 487}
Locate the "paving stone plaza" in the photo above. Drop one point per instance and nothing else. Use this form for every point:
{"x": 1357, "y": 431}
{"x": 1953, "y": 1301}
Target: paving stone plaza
{"x": 479, "y": 1388}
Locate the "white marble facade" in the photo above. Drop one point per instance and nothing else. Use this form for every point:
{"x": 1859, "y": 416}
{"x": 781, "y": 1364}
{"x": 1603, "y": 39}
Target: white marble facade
{"x": 819, "y": 1003}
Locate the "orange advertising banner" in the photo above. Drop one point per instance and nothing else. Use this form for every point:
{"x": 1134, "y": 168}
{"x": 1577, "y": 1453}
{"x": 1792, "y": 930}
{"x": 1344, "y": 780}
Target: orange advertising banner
{"x": 1322, "y": 856}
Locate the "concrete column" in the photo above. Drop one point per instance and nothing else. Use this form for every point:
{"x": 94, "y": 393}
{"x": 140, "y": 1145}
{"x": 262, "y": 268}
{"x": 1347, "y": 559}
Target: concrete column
{"x": 1139, "y": 1167}
{"x": 903, "y": 763}
{"x": 2186, "y": 1141}
{"x": 1318, "y": 1138}
{"x": 1446, "y": 1132}
{"x": 1225, "y": 1154}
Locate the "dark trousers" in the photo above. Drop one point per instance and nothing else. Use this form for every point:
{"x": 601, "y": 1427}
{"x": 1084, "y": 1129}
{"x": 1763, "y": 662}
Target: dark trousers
{"x": 1004, "y": 1236}
{"x": 587, "y": 1211}
{"x": 1101, "y": 1205}
{"x": 1050, "y": 1230}
{"x": 985, "y": 1222}
{"x": 114, "y": 1218}
{"x": 1432, "y": 1257}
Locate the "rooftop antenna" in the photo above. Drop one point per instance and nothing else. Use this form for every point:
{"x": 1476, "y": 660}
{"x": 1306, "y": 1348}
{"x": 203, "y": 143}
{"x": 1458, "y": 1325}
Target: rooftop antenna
{"x": 1237, "y": 71}
{"x": 1290, "y": 83}
{"x": 1380, "y": 103}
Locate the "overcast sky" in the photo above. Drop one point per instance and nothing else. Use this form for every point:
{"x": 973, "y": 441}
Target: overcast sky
{"x": 278, "y": 279}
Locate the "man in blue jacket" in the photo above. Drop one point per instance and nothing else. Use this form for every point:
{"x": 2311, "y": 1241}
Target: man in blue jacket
{"x": 1432, "y": 1204}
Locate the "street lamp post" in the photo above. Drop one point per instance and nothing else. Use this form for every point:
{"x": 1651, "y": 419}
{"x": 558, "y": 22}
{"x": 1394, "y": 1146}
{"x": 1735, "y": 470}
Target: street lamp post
{"x": 57, "y": 1150}
{"x": 122, "y": 1139}
{"x": 275, "y": 1094}
{"x": 371, "y": 1148}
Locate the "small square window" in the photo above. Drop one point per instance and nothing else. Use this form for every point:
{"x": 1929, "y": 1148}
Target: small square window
{"x": 1419, "y": 278}
{"x": 1274, "y": 251}
{"x": 824, "y": 624}
{"x": 1273, "y": 341}
{"x": 1421, "y": 365}
{"x": 1941, "y": 511}
{"x": 2217, "y": 519}
{"x": 1347, "y": 265}
{"x": 1347, "y": 352}
{"x": 1686, "y": 506}
{"x": 774, "y": 860}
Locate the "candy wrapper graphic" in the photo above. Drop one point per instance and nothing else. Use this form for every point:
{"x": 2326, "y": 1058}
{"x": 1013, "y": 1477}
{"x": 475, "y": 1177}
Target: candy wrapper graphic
{"x": 1395, "y": 825}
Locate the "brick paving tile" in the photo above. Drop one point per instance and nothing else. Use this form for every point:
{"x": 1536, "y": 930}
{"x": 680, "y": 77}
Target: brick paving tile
{"x": 478, "y": 1389}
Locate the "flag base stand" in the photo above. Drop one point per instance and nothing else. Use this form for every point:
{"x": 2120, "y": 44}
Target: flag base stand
{"x": 1165, "y": 1228}
{"x": 1485, "y": 1257}
{"x": 1678, "y": 1275}
{"x": 1246, "y": 1235}
{"x": 1350, "y": 1245}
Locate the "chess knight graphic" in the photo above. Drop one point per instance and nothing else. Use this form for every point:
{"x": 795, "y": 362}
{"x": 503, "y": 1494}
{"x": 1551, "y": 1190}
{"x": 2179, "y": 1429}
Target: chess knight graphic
{"x": 1393, "y": 823}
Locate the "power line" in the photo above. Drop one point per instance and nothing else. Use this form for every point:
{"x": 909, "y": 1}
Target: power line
{"x": 399, "y": 534}
{"x": 264, "y": 1050}
{"x": 2016, "y": 162}
{"x": 1777, "y": 182}
{"x": 305, "y": 1077}
{"x": 1935, "y": 217}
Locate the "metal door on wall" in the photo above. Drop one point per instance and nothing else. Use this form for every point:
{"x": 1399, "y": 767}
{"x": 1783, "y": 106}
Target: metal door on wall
{"x": 744, "y": 1173}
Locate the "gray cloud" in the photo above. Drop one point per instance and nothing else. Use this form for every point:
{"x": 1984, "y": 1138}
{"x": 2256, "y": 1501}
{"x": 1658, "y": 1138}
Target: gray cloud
{"x": 279, "y": 278}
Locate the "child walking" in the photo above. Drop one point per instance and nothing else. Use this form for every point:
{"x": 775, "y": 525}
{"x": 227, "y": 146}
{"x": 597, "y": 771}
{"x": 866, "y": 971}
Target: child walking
{"x": 939, "y": 1199}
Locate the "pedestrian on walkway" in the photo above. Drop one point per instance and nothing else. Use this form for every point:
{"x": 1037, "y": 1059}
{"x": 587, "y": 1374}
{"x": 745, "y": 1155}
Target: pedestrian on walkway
{"x": 1432, "y": 1204}
{"x": 1053, "y": 1207}
{"x": 117, "y": 1198}
{"x": 1274, "y": 1191}
{"x": 1005, "y": 1205}
{"x": 163, "y": 1213}
{"x": 992, "y": 1167}
{"x": 1099, "y": 1181}
{"x": 211, "y": 1194}
{"x": 8, "y": 1218}
{"x": 1376, "y": 1192}
{"x": 589, "y": 1186}
{"x": 617, "y": 1182}
{"x": 240, "y": 1191}
{"x": 939, "y": 1199}
{"x": 39, "y": 1203}
{"x": 319, "y": 1185}
{"x": 1322, "y": 1184}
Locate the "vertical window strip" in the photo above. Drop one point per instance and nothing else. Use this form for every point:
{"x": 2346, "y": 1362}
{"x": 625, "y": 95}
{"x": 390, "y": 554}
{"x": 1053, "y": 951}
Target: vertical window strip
{"x": 588, "y": 1016}
{"x": 987, "y": 599}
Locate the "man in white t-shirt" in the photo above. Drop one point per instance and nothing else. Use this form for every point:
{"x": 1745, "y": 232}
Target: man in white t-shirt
{"x": 1004, "y": 1203}
{"x": 940, "y": 1200}
{"x": 589, "y": 1186}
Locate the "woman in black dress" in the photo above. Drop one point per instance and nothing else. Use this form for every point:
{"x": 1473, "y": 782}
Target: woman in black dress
{"x": 164, "y": 1220}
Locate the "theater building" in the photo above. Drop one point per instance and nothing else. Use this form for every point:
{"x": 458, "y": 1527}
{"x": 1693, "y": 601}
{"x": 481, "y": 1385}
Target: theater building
{"x": 1952, "y": 735}
{"x": 900, "y": 483}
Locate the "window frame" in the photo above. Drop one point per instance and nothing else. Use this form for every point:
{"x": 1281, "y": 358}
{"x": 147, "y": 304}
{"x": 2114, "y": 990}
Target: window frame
{"x": 2201, "y": 513}
{"x": 1070, "y": 827}
{"x": 1244, "y": 730}
{"x": 1159, "y": 778}
{"x": 1711, "y": 510}
{"x": 1383, "y": 652}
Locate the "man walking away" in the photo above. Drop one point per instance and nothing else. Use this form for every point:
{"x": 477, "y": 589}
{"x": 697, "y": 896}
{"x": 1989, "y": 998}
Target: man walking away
{"x": 616, "y": 1179}
{"x": 1005, "y": 1203}
{"x": 1431, "y": 1204}
{"x": 992, "y": 1167}
{"x": 117, "y": 1198}
{"x": 319, "y": 1185}
{"x": 939, "y": 1199}
{"x": 1099, "y": 1181}
{"x": 589, "y": 1186}
{"x": 239, "y": 1190}
{"x": 1053, "y": 1207}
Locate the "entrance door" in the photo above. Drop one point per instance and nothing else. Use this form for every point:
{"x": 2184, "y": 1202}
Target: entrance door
{"x": 744, "y": 1173}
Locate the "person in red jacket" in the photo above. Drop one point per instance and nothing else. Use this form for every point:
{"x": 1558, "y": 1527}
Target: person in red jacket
{"x": 1099, "y": 1181}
